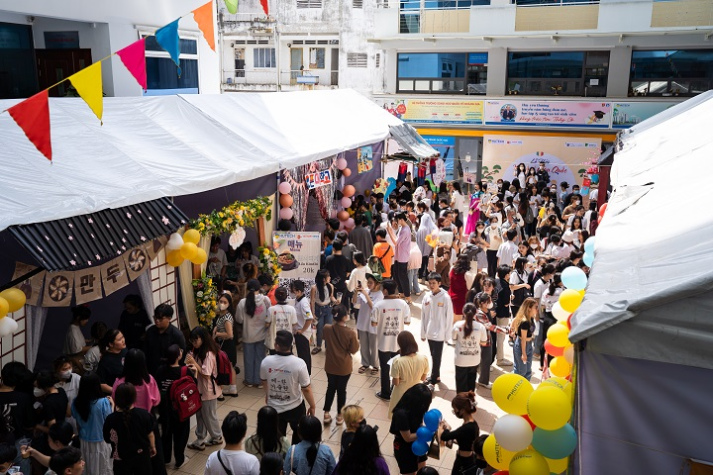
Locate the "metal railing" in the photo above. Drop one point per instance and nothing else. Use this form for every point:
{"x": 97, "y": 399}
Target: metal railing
{"x": 552, "y": 3}
{"x": 290, "y": 77}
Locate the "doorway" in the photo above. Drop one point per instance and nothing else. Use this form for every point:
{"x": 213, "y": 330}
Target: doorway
{"x": 54, "y": 65}
{"x": 334, "y": 76}
{"x": 296, "y": 64}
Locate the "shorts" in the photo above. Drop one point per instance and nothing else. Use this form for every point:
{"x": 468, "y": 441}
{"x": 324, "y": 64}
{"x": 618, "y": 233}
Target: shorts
{"x": 405, "y": 458}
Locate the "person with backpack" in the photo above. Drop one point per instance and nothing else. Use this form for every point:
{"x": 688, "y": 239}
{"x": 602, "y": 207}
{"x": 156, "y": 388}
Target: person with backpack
{"x": 384, "y": 253}
{"x": 179, "y": 397}
{"x": 232, "y": 459}
{"x": 204, "y": 362}
{"x": 224, "y": 335}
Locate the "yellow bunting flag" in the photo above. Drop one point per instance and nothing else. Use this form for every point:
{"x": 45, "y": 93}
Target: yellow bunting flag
{"x": 88, "y": 83}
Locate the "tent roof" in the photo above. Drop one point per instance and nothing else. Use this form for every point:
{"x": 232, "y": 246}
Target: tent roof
{"x": 153, "y": 147}
{"x": 653, "y": 245}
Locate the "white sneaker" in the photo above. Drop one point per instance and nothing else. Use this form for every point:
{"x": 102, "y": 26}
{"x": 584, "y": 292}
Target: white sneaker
{"x": 504, "y": 363}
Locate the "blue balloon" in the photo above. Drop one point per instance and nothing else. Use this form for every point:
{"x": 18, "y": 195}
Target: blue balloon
{"x": 424, "y": 434}
{"x": 574, "y": 278}
{"x": 589, "y": 245}
{"x": 588, "y": 259}
{"x": 555, "y": 444}
{"x": 392, "y": 186}
{"x": 432, "y": 419}
{"x": 595, "y": 179}
{"x": 419, "y": 448}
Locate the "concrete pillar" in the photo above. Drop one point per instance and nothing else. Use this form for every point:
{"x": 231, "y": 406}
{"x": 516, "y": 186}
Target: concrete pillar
{"x": 497, "y": 71}
{"x": 391, "y": 63}
{"x": 619, "y": 71}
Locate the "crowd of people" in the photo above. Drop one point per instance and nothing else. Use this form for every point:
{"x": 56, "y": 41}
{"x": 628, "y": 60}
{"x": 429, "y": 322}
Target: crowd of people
{"x": 487, "y": 267}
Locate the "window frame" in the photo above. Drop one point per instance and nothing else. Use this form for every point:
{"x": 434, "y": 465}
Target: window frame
{"x": 272, "y": 56}
{"x": 670, "y": 92}
{"x": 145, "y": 31}
{"x": 457, "y": 81}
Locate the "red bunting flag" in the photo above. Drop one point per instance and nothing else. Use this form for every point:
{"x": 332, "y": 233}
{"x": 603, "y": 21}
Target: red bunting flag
{"x": 134, "y": 58}
{"x": 204, "y": 17}
{"x": 265, "y": 7}
{"x": 33, "y": 117}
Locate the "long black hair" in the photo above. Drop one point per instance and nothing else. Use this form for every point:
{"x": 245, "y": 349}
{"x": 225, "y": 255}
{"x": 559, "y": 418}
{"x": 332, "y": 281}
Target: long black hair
{"x": 207, "y": 343}
{"x": 268, "y": 429}
{"x": 320, "y": 281}
{"x": 271, "y": 463}
{"x": 469, "y": 311}
{"x": 415, "y": 401}
{"x": 125, "y": 397}
{"x": 310, "y": 429}
{"x": 135, "y": 371}
{"x": 359, "y": 457}
{"x": 554, "y": 283}
{"x": 89, "y": 391}
{"x": 250, "y": 304}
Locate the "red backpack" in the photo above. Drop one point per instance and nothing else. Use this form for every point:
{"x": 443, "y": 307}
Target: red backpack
{"x": 184, "y": 396}
{"x": 225, "y": 373}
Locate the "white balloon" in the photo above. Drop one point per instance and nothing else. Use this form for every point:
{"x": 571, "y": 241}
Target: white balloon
{"x": 559, "y": 313}
{"x": 174, "y": 242}
{"x": 513, "y": 433}
{"x": 8, "y": 326}
{"x": 569, "y": 354}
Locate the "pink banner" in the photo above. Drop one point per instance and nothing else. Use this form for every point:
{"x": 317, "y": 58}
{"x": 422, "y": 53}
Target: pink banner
{"x": 548, "y": 113}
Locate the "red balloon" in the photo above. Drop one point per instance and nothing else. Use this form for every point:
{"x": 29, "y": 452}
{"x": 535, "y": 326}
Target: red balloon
{"x": 603, "y": 210}
{"x": 527, "y": 418}
{"x": 502, "y": 472}
{"x": 553, "y": 350}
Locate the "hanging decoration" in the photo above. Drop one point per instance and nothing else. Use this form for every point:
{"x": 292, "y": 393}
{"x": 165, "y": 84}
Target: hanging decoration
{"x": 317, "y": 178}
{"x": 240, "y": 213}
{"x": 167, "y": 37}
{"x": 203, "y": 16}
{"x": 206, "y": 296}
{"x": 33, "y": 117}
{"x": 134, "y": 59}
{"x": 88, "y": 83}
{"x": 180, "y": 248}
{"x": 232, "y": 6}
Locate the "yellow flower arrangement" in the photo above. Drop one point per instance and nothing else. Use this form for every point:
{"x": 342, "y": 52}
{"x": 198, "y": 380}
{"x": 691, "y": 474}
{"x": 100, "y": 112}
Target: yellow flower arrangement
{"x": 268, "y": 262}
{"x": 206, "y": 296}
{"x": 242, "y": 213}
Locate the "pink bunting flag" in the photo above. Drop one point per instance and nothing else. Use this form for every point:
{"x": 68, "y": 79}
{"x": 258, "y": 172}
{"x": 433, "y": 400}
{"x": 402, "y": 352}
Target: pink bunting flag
{"x": 134, "y": 58}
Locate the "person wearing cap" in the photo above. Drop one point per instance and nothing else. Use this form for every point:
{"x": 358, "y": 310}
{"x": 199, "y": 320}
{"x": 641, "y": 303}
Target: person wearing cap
{"x": 367, "y": 298}
{"x": 567, "y": 244}
{"x": 287, "y": 385}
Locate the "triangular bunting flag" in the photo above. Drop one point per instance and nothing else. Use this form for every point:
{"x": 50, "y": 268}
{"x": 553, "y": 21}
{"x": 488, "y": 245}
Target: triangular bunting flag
{"x": 134, "y": 58}
{"x": 88, "y": 83}
{"x": 33, "y": 117}
{"x": 232, "y": 6}
{"x": 265, "y": 7}
{"x": 167, "y": 37}
{"x": 204, "y": 17}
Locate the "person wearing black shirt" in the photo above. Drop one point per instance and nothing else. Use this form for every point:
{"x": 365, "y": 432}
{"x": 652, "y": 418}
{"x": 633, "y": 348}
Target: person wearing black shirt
{"x": 502, "y": 313}
{"x": 129, "y": 430}
{"x": 407, "y": 418}
{"x": 464, "y": 407}
{"x": 54, "y": 410}
{"x": 133, "y": 321}
{"x": 111, "y": 365}
{"x": 174, "y": 432}
{"x": 339, "y": 268}
{"x": 18, "y": 417}
{"x": 160, "y": 336}
{"x": 543, "y": 175}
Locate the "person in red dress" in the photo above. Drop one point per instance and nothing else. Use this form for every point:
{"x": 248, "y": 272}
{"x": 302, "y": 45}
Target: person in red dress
{"x": 458, "y": 286}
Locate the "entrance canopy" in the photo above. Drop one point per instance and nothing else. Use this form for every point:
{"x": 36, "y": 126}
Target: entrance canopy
{"x": 154, "y": 147}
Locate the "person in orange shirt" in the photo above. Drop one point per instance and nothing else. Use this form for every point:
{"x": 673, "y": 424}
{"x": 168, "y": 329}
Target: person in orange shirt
{"x": 384, "y": 252}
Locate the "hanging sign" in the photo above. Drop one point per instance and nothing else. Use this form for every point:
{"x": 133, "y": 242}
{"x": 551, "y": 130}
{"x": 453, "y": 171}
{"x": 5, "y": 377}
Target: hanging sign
{"x": 58, "y": 289}
{"x": 318, "y": 179}
{"x": 32, "y": 287}
{"x": 137, "y": 260}
{"x": 114, "y": 276}
{"x": 298, "y": 253}
{"x": 87, "y": 285}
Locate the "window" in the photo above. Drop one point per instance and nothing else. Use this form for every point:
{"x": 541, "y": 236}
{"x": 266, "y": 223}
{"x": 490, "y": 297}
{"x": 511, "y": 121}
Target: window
{"x": 161, "y": 73}
{"x": 565, "y": 73}
{"x": 17, "y": 61}
{"x": 357, "y": 60}
{"x": 377, "y": 60}
{"x": 309, "y": 3}
{"x": 357, "y": 3}
{"x": 316, "y": 58}
{"x": 264, "y": 58}
{"x": 671, "y": 72}
{"x": 454, "y": 73}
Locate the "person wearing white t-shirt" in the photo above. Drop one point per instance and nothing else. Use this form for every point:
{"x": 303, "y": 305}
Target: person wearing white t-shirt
{"x": 436, "y": 321}
{"x": 232, "y": 457}
{"x": 367, "y": 333}
{"x": 287, "y": 385}
{"x": 279, "y": 317}
{"x": 508, "y": 249}
{"x": 389, "y": 317}
{"x": 468, "y": 336}
{"x": 303, "y": 329}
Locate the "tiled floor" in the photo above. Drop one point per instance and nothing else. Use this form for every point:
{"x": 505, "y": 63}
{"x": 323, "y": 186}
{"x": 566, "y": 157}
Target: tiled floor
{"x": 361, "y": 390}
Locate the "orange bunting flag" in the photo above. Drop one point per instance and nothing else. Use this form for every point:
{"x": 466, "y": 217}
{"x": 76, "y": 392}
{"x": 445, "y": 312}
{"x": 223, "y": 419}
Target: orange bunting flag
{"x": 33, "y": 117}
{"x": 88, "y": 83}
{"x": 204, "y": 17}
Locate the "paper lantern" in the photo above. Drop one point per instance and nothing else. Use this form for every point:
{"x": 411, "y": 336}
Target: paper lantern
{"x": 174, "y": 242}
{"x": 174, "y": 258}
{"x": 284, "y": 188}
{"x": 342, "y": 163}
{"x": 188, "y": 250}
{"x": 8, "y": 326}
{"x": 192, "y": 235}
{"x": 342, "y": 216}
{"x": 349, "y": 191}
{"x": 346, "y": 202}
{"x": 347, "y": 172}
{"x": 286, "y": 201}
{"x": 15, "y": 299}
{"x": 200, "y": 256}
{"x": 286, "y": 213}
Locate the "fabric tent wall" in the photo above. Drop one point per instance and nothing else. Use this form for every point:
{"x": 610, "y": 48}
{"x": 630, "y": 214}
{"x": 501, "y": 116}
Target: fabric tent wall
{"x": 641, "y": 417}
{"x": 364, "y": 181}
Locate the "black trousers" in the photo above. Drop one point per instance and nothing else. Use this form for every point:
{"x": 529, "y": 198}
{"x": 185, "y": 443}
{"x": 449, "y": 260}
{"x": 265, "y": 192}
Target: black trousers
{"x": 423, "y": 271}
{"x": 384, "y": 357}
{"x": 303, "y": 351}
{"x": 465, "y": 378}
{"x": 336, "y": 384}
{"x": 401, "y": 278}
{"x": 174, "y": 436}
{"x": 486, "y": 359}
{"x": 436, "y": 355}
{"x": 492, "y": 262}
{"x": 292, "y": 417}
{"x": 138, "y": 465}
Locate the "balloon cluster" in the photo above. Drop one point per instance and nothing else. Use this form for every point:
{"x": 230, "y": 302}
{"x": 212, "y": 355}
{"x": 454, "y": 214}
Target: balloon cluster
{"x": 11, "y": 300}
{"x": 285, "y": 200}
{"x": 347, "y": 193}
{"x": 425, "y": 433}
{"x": 183, "y": 247}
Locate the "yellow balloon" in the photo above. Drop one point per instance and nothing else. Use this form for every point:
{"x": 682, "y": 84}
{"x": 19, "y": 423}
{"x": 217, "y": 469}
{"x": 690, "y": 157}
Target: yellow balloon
{"x": 200, "y": 256}
{"x": 4, "y": 307}
{"x": 174, "y": 258}
{"x": 570, "y": 300}
{"x": 192, "y": 236}
{"x": 15, "y": 298}
{"x": 510, "y": 392}
{"x": 560, "y": 383}
{"x": 549, "y": 408}
{"x": 558, "y": 334}
{"x": 495, "y": 455}
{"x": 529, "y": 462}
{"x": 560, "y": 367}
{"x": 188, "y": 250}
{"x": 557, "y": 465}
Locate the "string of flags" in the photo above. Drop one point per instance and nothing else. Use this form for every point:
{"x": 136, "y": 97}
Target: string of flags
{"x": 33, "y": 114}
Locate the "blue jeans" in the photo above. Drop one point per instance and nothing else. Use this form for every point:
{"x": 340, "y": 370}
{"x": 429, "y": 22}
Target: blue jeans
{"x": 323, "y": 316}
{"x": 413, "y": 279}
{"x": 523, "y": 369}
{"x": 253, "y": 354}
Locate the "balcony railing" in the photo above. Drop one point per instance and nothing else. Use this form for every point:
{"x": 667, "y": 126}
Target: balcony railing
{"x": 268, "y": 77}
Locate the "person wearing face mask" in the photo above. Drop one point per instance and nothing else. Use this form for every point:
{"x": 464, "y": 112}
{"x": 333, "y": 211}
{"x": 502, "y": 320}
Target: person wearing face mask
{"x": 223, "y": 334}
{"x": 485, "y": 303}
{"x": 67, "y": 380}
{"x": 570, "y": 209}
{"x": 464, "y": 407}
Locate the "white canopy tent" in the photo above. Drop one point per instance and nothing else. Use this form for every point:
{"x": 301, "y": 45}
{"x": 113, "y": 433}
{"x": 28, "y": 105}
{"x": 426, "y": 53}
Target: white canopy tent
{"x": 151, "y": 147}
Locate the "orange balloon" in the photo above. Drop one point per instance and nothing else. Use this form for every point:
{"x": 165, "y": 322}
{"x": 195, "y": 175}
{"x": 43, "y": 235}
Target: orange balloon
{"x": 346, "y": 172}
{"x": 286, "y": 201}
{"x": 603, "y": 210}
{"x": 349, "y": 191}
{"x": 342, "y": 215}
